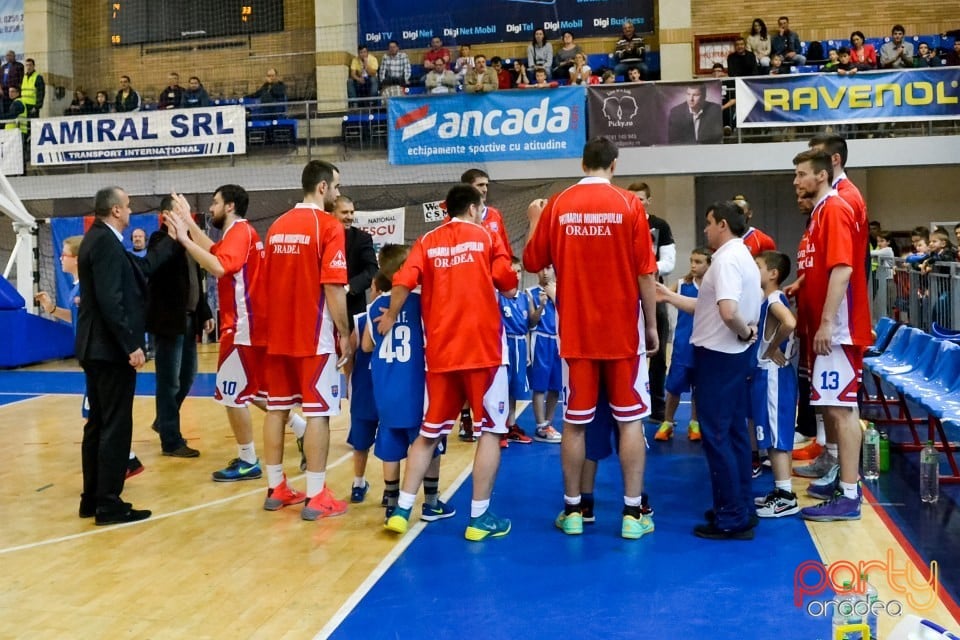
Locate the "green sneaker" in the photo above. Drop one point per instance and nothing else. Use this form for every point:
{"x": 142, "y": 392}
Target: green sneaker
{"x": 399, "y": 521}
{"x": 570, "y": 523}
{"x": 486, "y": 526}
{"x": 635, "y": 528}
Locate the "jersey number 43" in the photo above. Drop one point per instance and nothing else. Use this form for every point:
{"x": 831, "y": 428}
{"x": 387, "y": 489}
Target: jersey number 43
{"x": 396, "y": 345}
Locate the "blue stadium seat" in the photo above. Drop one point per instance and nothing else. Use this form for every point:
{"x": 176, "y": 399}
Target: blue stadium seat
{"x": 652, "y": 59}
{"x": 599, "y": 61}
{"x": 946, "y": 376}
{"x": 923, "y": 372}
{"x": 903, "y": 346}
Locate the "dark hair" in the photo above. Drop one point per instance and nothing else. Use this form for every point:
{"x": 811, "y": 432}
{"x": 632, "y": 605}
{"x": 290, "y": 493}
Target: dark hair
{"x": 818, "y": 159}
{"x": 382, "y": 282}
{"x": 776, "y": 260}
{"x": 717, "y": 65}
{"x": 460, "y": 197}
{"x": 315, "y": 172}
{"x": 886, "y": 235}
{"x": 703, "y": 251}
{"x": 831, "y": 143}
{"x": 516, "y": 260}
{"x": 783, "y": 18}
{"x": 166, "y": 204}
{"x": 127, "y": 77}
{"x": 843, "y": 50}
{"x": 30, "y": 60}
{"x": 495, "y": 59}
{"x": 237, "y": 196}
{"x": 565, "y": 32}
{"x": 732, "y": 213}
{"x": 640, "y": 186}
{"x": 105, "y": 200}
{"x": 898, "y": 27}
{"x": 393, "y": 42}
{"x": 921, "y": 231}
{"x": 534, "y": 37}
{"x": 361, "y": 48}
{"x": 763, "y": 28}
{"x": 599, "y": 153}
{"x": 194, "y": 78}
{"x": 858, "y": 33}
{"x": 391, "y": 258}
{"x": 470, "y": 176}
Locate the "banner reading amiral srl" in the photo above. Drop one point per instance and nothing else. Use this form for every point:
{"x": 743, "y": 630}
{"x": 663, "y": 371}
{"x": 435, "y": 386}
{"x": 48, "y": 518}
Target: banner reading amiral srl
{"x": 522, "y": 124}
{"x": 875, "y": 96}
{"x": 670, "y": 113}
{"x": 139, "y": 135}
{"x": 386, "y": 226}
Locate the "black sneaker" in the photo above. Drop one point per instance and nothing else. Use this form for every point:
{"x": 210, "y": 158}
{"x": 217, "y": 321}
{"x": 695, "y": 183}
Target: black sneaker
{"x": 466, "y": 428}
{"x": 134, "y": 467}
{"x": 645, "y": 508}
{"x": 183, "y": 451}
{"x": 586, "y": 510}
{"x": 713, "y": 532}
{"x": 121, "y": 517}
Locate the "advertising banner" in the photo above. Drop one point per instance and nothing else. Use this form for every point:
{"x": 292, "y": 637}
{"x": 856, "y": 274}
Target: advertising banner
{"x": 413, "y": 24}
{"x": 876, "y": 96}
{"x": 524, "y": 124}
{"x": 11, "y": 27}
{"x": 386, "y": 226}
{"x": 11, "y": 152}
{"x": 139, "y": 135}
{"x": 643, "y": 115}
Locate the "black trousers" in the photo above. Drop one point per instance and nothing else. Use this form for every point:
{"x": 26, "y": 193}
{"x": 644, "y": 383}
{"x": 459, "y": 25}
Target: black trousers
{"x": 107, "y": 434}
{"x": 658, "y": 363}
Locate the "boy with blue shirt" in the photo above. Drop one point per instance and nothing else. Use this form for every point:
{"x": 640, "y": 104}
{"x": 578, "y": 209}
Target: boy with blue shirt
{"x": 515, "y": 315}
{"x": 546, "y": 371}
{"x": 363, "y": 411}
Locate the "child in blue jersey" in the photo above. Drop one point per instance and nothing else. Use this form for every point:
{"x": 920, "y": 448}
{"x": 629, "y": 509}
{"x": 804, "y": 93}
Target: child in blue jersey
{"x": 397, "y": 371}
{"x": 515, "y": 315}
{"x": 363, "y": 410}
{"x": 545, "y": 372}
{"x": 773, "y": 389}
{"x": 680, "y": 376}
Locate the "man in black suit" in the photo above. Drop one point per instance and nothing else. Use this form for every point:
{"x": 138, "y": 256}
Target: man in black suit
{"x": 361, "y": 257}
{"x": 177, "y": 313}
{"x": 109, "y": 345}
{"x": 695, "y": 121}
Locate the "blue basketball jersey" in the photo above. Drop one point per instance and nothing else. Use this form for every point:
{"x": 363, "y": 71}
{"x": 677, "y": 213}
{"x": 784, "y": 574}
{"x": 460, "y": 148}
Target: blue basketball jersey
{"x": 548, "y": 319}
{"x": 514, "y": 312}
{"x": 682, "y": 348}
{"x": 398, "y": 365}
{"x": 763, "y": 342}
{"x": 362, "y": 406}
{"x": 73, "y": 302}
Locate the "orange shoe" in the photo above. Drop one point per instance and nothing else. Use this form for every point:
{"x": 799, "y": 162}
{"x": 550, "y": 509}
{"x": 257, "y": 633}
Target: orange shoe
{"x": 665, "y": 432}
{"x": 809, "y": 452}
{"x": 282, "y": 496}
{"x": 323, "y": 505}
{"x": 693, "y": 431}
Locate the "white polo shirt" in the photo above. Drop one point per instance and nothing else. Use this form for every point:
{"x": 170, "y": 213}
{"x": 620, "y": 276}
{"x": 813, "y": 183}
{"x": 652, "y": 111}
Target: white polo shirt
{"x": 733, "y": 275}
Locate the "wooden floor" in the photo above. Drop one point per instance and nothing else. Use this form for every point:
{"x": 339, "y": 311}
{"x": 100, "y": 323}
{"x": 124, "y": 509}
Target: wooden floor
{"x": 211, "y": 563}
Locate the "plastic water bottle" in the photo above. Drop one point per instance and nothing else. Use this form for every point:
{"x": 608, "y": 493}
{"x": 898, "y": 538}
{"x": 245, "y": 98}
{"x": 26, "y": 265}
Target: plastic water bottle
{"x": 871, "y": 596}
{"x": 929, "y": 473}
{"x": 846, "y": 613}
{"x": 884, "y": 452}
{"x": 871, "y": 453}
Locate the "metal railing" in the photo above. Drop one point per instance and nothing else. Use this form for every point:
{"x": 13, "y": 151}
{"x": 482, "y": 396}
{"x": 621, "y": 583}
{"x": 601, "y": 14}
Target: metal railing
{"x": 915, "y": 296}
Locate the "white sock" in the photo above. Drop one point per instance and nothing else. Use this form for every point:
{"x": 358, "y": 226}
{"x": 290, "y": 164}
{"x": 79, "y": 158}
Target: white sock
{"x": 405, "y": 500}
{"x": 784, "y": 485}
{"x": 132, "y": 454}
{"x": 571, "y": 499}
{"x": 821, "y": 431}
{"x": 849, "y": 490}
{"x": 315, "y": 480}
{"x": 274, "y": 475}
{"x": 833, "y": 449}
{"x": 632, "y": 502}
{"x": 359, "y": 481}
{"x": 297, "y": 424}
{"x": 478, "y": 507}
{"x": 247, "y": 453}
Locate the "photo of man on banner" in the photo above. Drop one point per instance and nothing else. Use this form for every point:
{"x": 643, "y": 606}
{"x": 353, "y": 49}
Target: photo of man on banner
{"x": 693, "y": 119}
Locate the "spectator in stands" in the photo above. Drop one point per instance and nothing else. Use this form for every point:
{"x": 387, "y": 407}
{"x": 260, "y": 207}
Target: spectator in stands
{"x": 519, "y": 75}
{"x": 565, "y": 55}
{"x": 16, "y": 113}
{"x": 952, "y": 59}
{"x": 787, "y": 44}
{"x": 741, "y": 62}
{"x": 728, "y": 98}
{"x": 273, "y": 90}
{"x": 926, "y": 57}
{"x": 32, "y": 89}
{"x": 81, "y": 104}
{"x": 480, "y": 79}
{"x": 758, "y": 43}
{"x": 862, "y": 54}
{"x": 776, "y": 65}
{"x": 102, "y": 104}
{"x": 845, "y": 66}
{"x": 833, "y": 59}
{"x": 138, "y": 238}
{"x": 194, "y": 95}
{"x": 580, "y": 72}
{"x": 609, "y": 77}
{"x": 436, "y": 52}
{"x": 464, "y": 63}
{"x": 540, "y": 80}
{"x": 941, "y": 250}
{"x": 440, "y": 79}
{"x": 127, "y": 99}
{"x": 633, "y": 75}
{"x": 11, "y": 75}
{"x": 394, "y": 71}
{"x": 363, "y": 81}
{"x": 505, "y": 79}
{"x": 629, "y": 52}
{"x": 540, "y": 52}
{"x": 897, "y": 53}
{"x": 172, "y": 94}
{"x": 956, "y": 233}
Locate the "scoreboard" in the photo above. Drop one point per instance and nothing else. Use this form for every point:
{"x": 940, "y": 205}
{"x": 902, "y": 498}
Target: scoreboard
{"x": 146, "y": 21}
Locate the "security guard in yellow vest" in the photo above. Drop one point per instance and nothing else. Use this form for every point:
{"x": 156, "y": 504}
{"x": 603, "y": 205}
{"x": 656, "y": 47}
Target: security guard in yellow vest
{"x": 32, "y": 89}
{"x": 16, "y": 116}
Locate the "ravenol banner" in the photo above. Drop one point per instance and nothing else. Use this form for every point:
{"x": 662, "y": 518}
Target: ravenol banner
{"x": 523, "y": 124}
{"x": 139, "y": 135}
{"x": 882, "y": 96}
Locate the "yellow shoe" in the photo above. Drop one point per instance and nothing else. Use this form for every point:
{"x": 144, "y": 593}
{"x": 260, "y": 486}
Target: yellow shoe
{"x": 399, "y": 521}
{"x": 693, "y": 431}
{"x": 665, "y": 432}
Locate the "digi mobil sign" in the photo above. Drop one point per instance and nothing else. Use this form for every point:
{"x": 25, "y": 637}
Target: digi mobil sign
{"x": 523, "y": 124}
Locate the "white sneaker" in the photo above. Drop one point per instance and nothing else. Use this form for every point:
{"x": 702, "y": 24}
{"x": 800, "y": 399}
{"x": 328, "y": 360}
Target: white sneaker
{"x": 547, "y": 434}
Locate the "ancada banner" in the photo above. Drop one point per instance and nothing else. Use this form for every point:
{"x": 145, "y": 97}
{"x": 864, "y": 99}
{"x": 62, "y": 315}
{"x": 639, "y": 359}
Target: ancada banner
{"x": 386, "y": 226}
{"x": 139, "y": 135}
{"x": 521, "y": 124}
{"x": 875, "y": 96}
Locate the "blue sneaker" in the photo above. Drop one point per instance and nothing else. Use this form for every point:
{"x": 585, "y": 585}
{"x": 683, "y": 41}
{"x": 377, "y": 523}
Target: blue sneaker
{"x": 357, "y": 494}
{"x": 399, "y": 521}
{"x": 486, "y": 526}
{"x": 839, "y": 507}
{"x": 440, "y": 511}
{"x": 236, "y": 470}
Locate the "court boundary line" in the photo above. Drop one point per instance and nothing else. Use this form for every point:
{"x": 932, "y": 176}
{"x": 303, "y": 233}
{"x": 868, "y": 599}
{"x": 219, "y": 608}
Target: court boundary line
{"x": 154, "y": 518}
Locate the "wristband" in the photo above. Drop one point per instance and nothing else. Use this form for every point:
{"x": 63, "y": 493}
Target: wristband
{"x": 749, "y": 335}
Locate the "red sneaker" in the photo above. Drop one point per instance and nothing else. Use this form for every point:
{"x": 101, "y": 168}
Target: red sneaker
{"x": 323, "y": 505}
{"x": 518, "y": 435}
{"x": 809, "y": 452}
{"x": 282, "y": 496}
{"x": 504, "y": 442}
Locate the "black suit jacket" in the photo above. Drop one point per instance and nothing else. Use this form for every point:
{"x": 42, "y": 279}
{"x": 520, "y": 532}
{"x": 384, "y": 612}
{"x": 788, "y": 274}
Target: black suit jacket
{"x": 680, "y": 125}
{"x": 169, "y": 287}
{"x": 110, "y": 322}
{"x": 361, "y": 268}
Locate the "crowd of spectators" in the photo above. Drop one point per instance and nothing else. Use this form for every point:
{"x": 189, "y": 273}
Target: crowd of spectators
{"x": 23, "y": 92}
